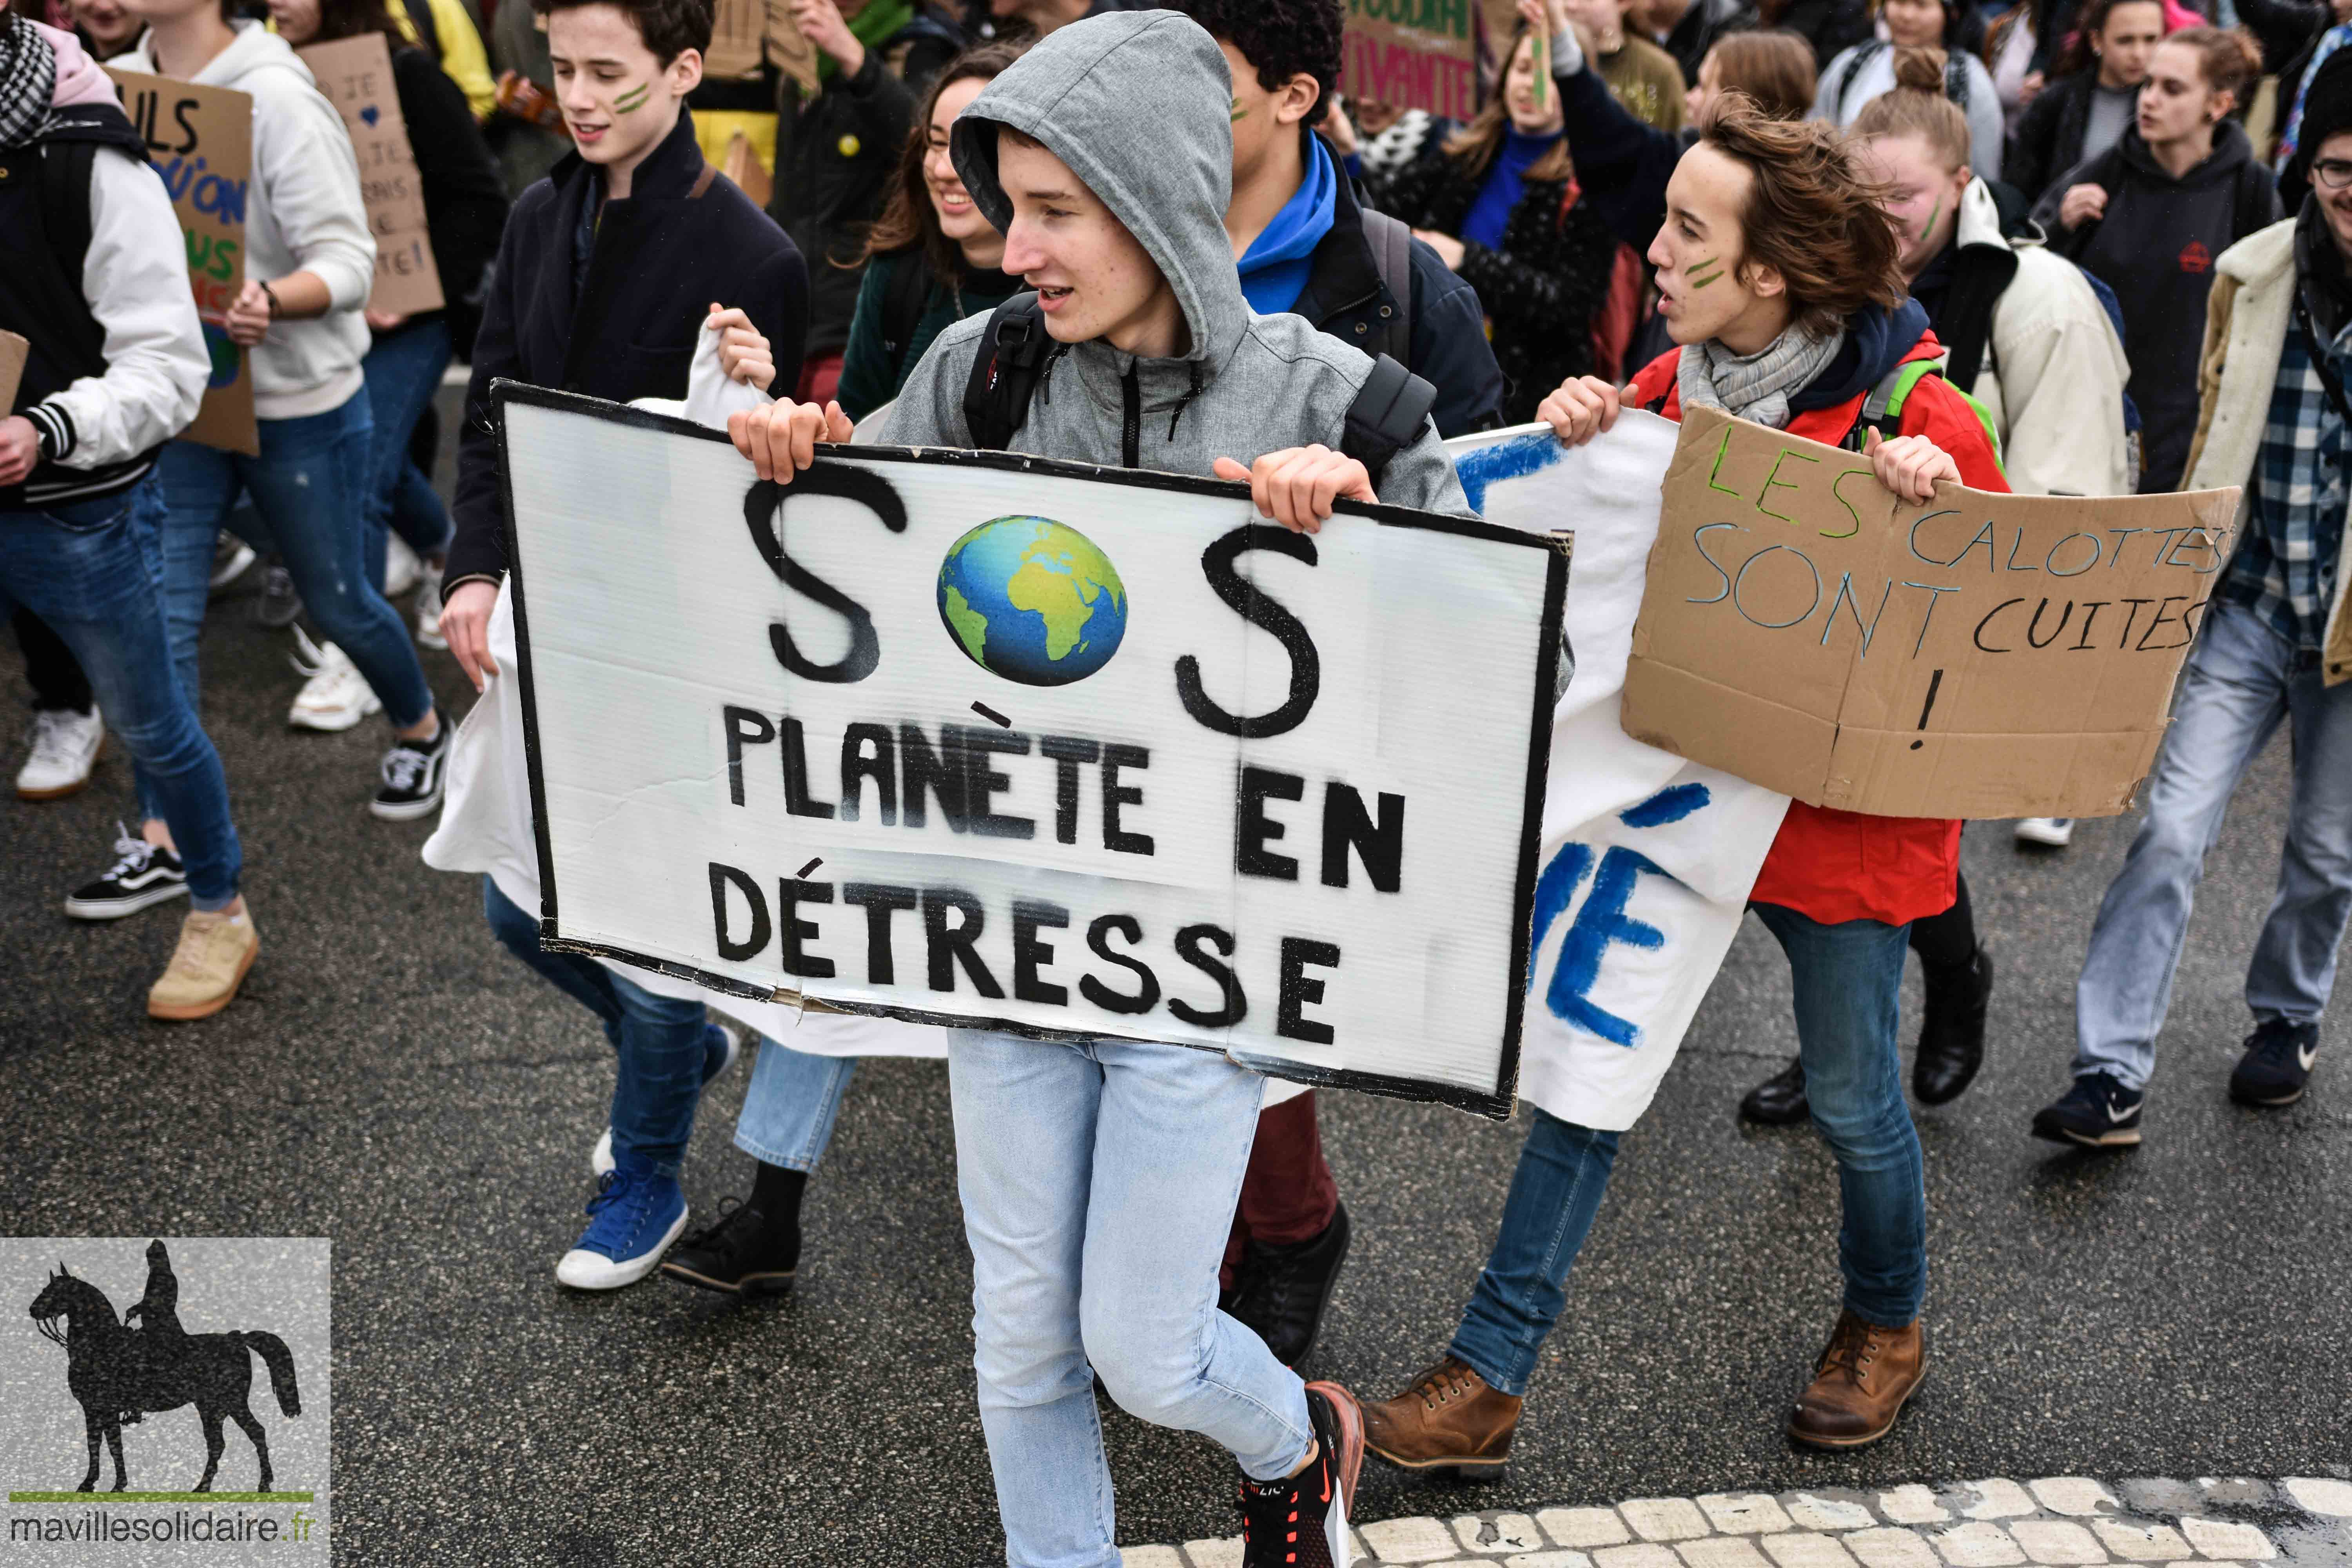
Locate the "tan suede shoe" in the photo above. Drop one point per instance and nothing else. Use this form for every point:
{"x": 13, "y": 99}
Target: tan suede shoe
{"x": 1449, "y": 1419}
{"x": 206, "y": 968}
{"x": 1859, "y": 1384}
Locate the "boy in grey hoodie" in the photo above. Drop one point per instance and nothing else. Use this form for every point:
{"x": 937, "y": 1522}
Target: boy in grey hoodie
{"x": 1098, "y": 1177}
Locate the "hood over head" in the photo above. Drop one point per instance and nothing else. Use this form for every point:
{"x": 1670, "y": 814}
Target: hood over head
{"x": 1131, "y": 102}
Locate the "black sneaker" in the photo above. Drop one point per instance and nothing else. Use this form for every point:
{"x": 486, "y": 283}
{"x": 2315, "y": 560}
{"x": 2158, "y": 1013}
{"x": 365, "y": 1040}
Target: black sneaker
{"x": 1301, "y": 1521}
{"x": 414, "y": 773}
{"x": 280, "y": 605}
{"x": 1282, "y": 1291}
{"x": 740, "y": 1253}
{"x": 1779, "y": 1101}
{"x": 2098, "y": 1112}
{"x": 146, "y": 875}
{"x": 2277, "y": 1064}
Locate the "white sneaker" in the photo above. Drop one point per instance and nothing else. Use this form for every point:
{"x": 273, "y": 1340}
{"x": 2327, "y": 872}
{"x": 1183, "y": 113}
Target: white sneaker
{"x": 429, "y": 606}
{"x": 64, "y": 748}
{"x": 2050, "y": 832}
{"x": 399, "y": 565}
{"x": 231, "y": 556}
{"x": 337, "y": 696}
{"x": 600, "y": 1158}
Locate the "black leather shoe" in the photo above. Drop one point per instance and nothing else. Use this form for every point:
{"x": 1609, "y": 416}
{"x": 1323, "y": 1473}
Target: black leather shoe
{"x": 1952, "y": 1030}
{"x": 741, "y": 1254}
{"x": 1281, "y": 1291}
{"x": 1779, "y": 1100}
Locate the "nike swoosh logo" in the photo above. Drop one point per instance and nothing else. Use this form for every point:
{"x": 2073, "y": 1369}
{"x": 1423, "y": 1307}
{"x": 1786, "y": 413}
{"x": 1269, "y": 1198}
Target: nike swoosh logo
{"x": 2307, "y": 1055}
{"x": 2113, "y": 1115}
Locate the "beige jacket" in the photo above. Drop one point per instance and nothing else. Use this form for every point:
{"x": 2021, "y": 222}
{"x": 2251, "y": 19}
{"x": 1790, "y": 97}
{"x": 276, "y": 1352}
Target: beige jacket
{"x": 2054, "y": 371}
{"x": 2245, "y": 330}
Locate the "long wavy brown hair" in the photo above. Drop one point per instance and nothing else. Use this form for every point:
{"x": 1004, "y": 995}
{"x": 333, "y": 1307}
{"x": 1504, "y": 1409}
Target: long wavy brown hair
{"x": 1812, "y": 215}
{"x": 908, "y": 221}
{"x": 1473, "y": 147}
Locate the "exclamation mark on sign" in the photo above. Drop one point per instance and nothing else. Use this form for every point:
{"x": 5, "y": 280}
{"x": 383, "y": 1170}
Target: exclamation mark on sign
{"x": 1927, "y": 706}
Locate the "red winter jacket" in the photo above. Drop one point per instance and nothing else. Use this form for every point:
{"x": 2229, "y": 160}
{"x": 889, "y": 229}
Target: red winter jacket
{"x": 1834, "y": 865}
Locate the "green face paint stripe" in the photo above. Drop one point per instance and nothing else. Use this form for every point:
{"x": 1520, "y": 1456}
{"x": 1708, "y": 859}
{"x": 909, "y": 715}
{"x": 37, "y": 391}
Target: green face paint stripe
{"x": 1238, "y": 110}
{"x": 1699, "y": 282}
{"x": 1933, "y": 213}
{"x": 634, "y": 99}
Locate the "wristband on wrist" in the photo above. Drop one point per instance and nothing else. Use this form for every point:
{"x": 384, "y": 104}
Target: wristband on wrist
{"x": 276, "y": 308}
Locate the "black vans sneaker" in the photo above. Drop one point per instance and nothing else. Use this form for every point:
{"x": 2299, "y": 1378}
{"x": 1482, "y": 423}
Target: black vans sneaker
{"x": 741, "y": 1254}
{"x": 1301, "y": 1521}
{"x": 414, "y": 773}
{"x": 2098, "y": 1112}
{"x": 2277, "y": 1064}
{"x": 146, "y": 875}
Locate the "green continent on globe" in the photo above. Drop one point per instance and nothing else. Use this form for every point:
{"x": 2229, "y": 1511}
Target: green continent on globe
{"x": 970, "y": 625}
{"x": 1060, "y": 577}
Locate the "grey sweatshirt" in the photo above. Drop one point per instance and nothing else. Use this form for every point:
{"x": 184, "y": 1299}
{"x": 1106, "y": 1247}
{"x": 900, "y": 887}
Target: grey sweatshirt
{"x": 1138, "y": 105}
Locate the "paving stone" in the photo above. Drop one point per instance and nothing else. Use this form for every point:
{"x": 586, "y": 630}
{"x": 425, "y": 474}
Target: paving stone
{"x": 1722, "y": 1551}
{"x": 1150, "y": 1557}
{"x": 1664, "y": 1518}
{"x": 1744, "y": 1514}
{"x": 1888, "y": 1548}
{"x": 1549, "y": 1559}
{"x": 2315, "y": 1495}
{"x": 2078, "y": 1497}
{"x": 1794, "y": 1551}
{"x": 1811, "y": 1510}
{"x": 2000, "y": 1498}
{"x": 1409, "y": 1539}
{"x": 2056, "y": 1540}
{"x": 1642, "y": 1554}
{"x": 1977, "y": 1544}
{"x": 1583, "y": 1526}
{"x": 2142, "y": 1542}
{"x": 2221, "y": 1538}
{"x": 2158, "y": 1494}
{"x": 1226, "y": 1553}
{"x": 1912, "y": 1505}
{"x": 1504, "y": 1532}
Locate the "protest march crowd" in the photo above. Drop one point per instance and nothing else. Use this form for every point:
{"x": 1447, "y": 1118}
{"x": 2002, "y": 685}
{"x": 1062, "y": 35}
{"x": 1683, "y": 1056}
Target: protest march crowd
{"x": 2066, "y": 247}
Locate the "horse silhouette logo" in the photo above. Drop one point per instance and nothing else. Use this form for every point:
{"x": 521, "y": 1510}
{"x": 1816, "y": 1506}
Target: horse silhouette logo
{"x": 119, "y": 1374}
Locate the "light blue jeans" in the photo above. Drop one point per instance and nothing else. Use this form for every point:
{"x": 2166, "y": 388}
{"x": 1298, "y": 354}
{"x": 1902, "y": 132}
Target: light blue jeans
{"x": 1098, "y": 1185}
{"x": 789, "y": 1111}
{"x": 2242, "y": 680}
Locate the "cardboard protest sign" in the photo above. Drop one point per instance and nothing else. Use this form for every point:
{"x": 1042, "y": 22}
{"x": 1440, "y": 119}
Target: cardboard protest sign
{"x": 985, "y": 739}
{"x": 748, "y": 34}
{"x": 1412, "y": 54}
{"x": 200, "y": 140}
{"x": 1647, "y": 859}
{"x": 1979, "y": 656}
{"x": 356, "y": 76}
{"x": 14, "y": 352}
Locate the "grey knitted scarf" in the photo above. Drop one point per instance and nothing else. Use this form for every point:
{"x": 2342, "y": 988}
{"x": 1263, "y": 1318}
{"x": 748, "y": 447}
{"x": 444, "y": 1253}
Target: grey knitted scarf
{"x": 1754, "y": 386}
{"x": 28, "y": 76}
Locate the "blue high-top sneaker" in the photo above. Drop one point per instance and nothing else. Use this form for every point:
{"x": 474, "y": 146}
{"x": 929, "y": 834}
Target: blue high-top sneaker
{"x": 633, "y": 1218}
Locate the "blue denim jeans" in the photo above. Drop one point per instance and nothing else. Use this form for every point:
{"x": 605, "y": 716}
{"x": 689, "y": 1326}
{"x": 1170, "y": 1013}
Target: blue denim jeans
{"x": 93, "y": 571}
{"x": 1098, "y": 1183}
{"x": 2242, "y": 682}
{"x": 404, "y": 371}
{"x": 308, "y": 486}
{"x": 789, "y": 1111}
{"x": 1848, "y": 979}
{"x": 1555, "y": 1191}
{"x": 662, "y": 1043}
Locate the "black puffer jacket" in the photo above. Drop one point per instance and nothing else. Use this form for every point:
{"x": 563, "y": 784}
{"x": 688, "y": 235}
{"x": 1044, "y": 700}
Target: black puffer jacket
{"x": 1540, "y": 290}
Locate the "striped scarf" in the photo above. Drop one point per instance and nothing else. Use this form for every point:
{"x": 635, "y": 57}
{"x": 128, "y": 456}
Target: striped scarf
{"x": 2335, "y": 38}
{"x": 1754, "y": 386}
{"x": 28, "y": 76}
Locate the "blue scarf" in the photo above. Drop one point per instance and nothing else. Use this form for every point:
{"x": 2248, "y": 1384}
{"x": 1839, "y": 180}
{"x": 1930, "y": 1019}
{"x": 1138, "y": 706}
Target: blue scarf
{"x": 1274, "y": 267}
{"x": 1491, "y": 212}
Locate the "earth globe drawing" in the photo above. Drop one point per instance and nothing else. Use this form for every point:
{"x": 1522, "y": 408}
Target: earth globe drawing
{"x": 1033, "y": 600}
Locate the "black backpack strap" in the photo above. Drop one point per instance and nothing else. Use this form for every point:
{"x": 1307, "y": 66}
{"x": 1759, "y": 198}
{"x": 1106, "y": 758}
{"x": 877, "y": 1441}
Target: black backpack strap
{"x": 904, "y": 295}
{"x": 1390, "y": 410}
{"x": 1956, "y": 80}
{"x": 1391, "y": 244}
{"x": 1863, "y": 55}
{"x": 1006, "y": 372}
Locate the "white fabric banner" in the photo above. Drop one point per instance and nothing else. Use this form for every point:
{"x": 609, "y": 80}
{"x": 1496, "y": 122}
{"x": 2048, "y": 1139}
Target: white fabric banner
{"x": 1647, "y": 859}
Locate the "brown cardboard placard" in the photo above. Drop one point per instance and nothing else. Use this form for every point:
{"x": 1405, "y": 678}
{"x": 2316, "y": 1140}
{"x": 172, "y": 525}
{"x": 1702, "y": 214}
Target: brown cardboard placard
{"x": 12, "y": 352}
{"x": 743, "y": 166}
{"x": 1980, "y": 656}
{"x": 746, "y": 35}
{"x": 1412, "y": 54}
{"x": 200, "y": 140}
{"x": 355, "y": 74}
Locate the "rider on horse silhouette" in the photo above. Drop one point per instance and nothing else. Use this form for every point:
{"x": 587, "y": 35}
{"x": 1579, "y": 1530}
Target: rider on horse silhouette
{"x": 161, "y": 1343}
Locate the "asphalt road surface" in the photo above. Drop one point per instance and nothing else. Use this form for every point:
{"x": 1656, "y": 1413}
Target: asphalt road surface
{"x": 392, "y": 1080}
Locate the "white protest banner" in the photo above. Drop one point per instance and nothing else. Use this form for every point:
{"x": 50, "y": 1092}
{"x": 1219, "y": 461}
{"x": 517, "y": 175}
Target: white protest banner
{"x": 984, "y": 739}
{"x": 1648, "y": 859}
{"x": 355, "y": 74}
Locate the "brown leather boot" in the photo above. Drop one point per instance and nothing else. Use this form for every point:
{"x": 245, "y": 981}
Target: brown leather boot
{"x": 1859, "y": 1384}
{"x": 1449, "y": 1419}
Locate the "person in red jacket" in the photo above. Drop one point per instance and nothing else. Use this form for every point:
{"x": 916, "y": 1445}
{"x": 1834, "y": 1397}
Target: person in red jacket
{"x": 1780, "y": 276}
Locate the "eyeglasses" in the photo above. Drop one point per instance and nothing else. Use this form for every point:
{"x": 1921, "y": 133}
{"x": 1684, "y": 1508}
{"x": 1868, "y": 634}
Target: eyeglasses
{"x": 2333, "y": 173}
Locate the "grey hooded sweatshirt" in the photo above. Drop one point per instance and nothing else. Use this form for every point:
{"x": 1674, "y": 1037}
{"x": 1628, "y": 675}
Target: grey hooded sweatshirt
{"x": 1138, "y": 104}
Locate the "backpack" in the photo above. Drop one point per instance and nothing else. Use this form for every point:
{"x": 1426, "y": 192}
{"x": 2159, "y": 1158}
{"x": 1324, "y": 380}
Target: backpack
{"x": 1956, "y": 76}
{"x": 1882, "y": 410}
{"x": 1391, "y": 244}
{"x": 1389, "y": 413}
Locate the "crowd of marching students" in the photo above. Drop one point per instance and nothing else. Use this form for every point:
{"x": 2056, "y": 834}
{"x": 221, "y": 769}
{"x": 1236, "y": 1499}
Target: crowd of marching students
{"x": 2100, "y": 247}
